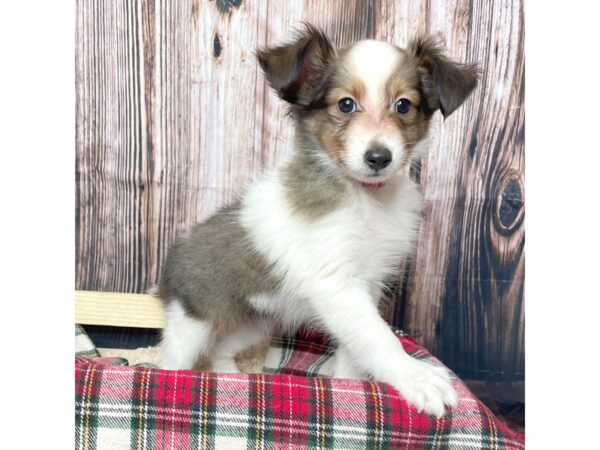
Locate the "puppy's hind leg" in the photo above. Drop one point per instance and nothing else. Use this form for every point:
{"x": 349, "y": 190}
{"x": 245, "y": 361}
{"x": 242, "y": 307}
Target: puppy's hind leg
{"x": 185, "y": 338}
{"x": 236, "y": 341}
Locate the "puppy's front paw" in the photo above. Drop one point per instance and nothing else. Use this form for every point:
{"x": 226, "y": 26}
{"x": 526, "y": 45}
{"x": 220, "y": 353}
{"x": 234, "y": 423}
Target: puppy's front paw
{"x": 427, "y": 387}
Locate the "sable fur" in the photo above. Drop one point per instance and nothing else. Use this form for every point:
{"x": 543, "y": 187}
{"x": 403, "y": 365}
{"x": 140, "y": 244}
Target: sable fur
{"x": 214, "y": 269}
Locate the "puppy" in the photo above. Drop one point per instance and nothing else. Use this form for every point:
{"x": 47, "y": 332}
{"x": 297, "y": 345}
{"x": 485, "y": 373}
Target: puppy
{"x": 315, "y": 239}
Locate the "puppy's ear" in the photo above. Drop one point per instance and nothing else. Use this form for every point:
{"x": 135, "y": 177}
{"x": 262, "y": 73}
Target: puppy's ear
{"x": 295, "y": 70}
{"x": 446, "y": 84}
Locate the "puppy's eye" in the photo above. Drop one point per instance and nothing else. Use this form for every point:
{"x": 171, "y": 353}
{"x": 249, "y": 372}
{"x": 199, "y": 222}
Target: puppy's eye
{"x": 347, "y": 105}
{"x": 402, "y": 106}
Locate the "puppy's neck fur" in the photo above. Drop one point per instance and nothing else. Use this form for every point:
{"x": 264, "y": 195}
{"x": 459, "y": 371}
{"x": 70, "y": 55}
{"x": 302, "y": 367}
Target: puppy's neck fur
{"x": 313, "y": 184}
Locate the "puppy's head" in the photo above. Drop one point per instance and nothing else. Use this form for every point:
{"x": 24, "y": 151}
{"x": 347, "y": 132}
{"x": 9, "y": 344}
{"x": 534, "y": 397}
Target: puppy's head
{"x": 368, "y": 104}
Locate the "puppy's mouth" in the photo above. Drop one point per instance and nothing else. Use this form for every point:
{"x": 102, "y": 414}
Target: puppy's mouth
{"x": 373, "y": 181}
{"x": 369, "y": 179}
{"x": 373, "y": 185}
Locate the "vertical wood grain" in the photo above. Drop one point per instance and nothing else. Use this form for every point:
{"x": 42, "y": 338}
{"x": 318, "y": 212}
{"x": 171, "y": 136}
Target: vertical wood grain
{"x": 174, "y": 118}
{"x": 463, "y": 296}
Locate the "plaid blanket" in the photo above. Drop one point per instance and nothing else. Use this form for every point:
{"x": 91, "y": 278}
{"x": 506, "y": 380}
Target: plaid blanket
{"x": 291, "y": 407}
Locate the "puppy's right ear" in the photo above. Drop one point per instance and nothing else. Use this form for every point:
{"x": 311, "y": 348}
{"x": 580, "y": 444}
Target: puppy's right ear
{"x": 296, "y": 70}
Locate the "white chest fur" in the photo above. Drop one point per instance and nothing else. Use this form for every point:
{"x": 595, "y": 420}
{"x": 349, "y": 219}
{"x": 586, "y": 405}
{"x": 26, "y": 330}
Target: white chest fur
{"x": 364, "y": 240}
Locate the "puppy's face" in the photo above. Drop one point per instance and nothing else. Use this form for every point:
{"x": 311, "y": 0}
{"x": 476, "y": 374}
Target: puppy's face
{"x": 373, "y": 117}
{"x": 368, "y": 104}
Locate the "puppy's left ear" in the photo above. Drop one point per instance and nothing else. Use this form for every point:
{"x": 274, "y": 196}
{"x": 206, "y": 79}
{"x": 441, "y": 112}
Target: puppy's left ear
{"x": 446, "y": 84}
{"x": 295, "y": 70}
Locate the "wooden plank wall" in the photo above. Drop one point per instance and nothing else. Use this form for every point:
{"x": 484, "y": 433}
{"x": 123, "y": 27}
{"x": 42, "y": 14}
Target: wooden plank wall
{"x": 174, "y": 117}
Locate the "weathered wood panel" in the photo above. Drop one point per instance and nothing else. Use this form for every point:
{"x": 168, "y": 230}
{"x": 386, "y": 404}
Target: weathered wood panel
{"x": 134, "y": 163}
{"x": 174, "y": 118}
{"x": 464, "y": 297}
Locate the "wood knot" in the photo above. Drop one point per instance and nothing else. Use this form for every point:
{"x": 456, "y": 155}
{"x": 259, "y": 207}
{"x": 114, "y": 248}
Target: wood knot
{"x": 473, "y": 146}
{"x": 509, "y": 209}
{"x": 217, "y": 46}
{"x": 225, "y": 6}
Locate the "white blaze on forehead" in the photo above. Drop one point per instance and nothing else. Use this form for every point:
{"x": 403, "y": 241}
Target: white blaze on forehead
{"x": 374, "y": 62}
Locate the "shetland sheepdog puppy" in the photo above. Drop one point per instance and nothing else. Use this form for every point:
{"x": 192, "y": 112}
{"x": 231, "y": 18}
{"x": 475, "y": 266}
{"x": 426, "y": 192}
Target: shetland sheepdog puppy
{"x": 313, "y": 242}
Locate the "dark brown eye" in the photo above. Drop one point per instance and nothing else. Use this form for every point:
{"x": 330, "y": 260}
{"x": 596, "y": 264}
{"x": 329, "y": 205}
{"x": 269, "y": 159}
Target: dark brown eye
{"x": 347, "y": 105}
{"x": 402, "y": 106}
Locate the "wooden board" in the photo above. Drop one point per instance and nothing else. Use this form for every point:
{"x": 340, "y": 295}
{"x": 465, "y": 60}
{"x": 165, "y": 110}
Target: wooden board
{"x": 118, "y": 309}
{"x": 174, "y": 118}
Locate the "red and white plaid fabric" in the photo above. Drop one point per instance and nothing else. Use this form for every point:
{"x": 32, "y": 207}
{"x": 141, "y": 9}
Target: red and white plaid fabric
{"x": 140, "y": 407}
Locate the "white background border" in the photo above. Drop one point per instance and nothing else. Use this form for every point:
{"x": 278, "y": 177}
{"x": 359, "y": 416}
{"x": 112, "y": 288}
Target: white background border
{"x": 37, "y": 142}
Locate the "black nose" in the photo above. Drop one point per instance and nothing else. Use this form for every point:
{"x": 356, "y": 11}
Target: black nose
{"x": 378, "y": 158}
